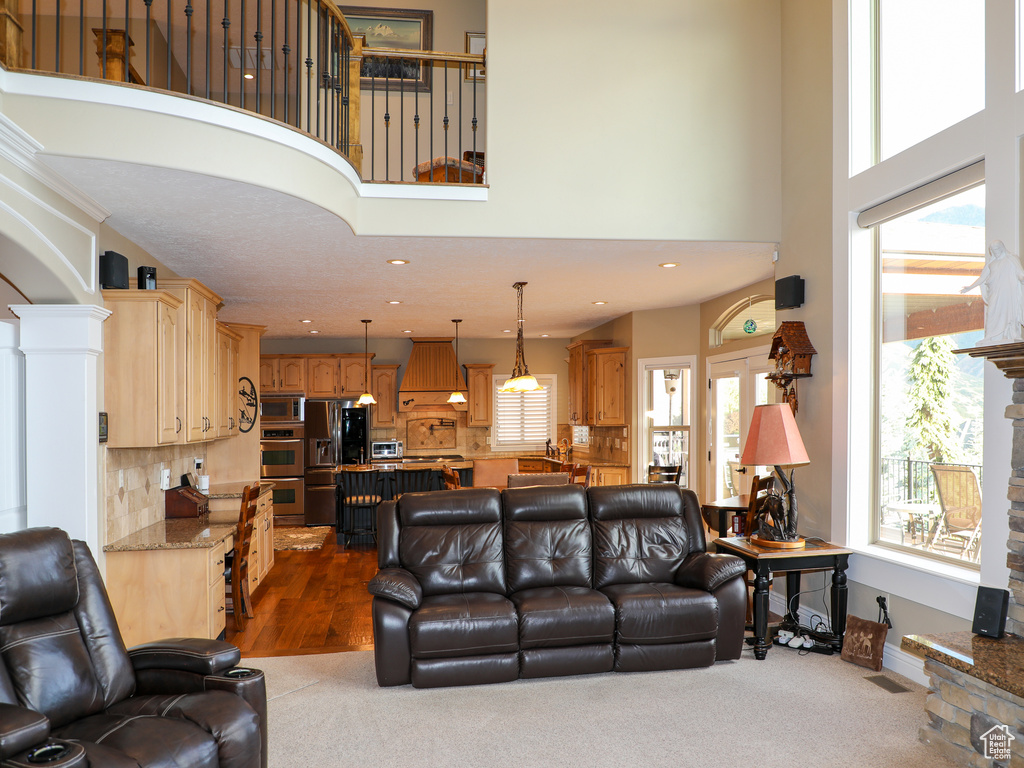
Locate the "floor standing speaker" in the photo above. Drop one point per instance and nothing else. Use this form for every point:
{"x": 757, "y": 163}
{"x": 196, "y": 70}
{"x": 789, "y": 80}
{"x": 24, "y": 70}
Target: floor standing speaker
{"x": 990, "y": 612}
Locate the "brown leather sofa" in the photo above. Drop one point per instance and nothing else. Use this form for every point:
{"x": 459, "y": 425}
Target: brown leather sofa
{"x": 482, "y": 586}
{"x": 72, "y": 695}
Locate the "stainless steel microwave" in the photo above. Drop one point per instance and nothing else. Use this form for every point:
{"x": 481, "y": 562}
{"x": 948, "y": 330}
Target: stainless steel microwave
{"x": 385, "y": 450}
{"x": 282, "y": 408}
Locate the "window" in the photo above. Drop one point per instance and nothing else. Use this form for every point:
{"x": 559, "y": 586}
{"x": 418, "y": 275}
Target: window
{"x": 919, "y": 68}
{"x": 524, "y": 419}
{"x": 929, "y": 414}
{"x": 667, "y": 406}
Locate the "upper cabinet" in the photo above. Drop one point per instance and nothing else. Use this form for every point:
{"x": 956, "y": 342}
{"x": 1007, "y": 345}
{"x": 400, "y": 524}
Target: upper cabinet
{"x": 607, "y": 386}
{"x": 322, "y": 377}
{"x": 142, "y": 365}
{"x": 200, "y": 356}
{"x": 480, "y": 410}
{"x": 282, "y": 374}
{"x": 227, "y": 380}
{"x": 353, "y": 375}
{"x": 579, "y": 394}
{"x": 384, "y": 387}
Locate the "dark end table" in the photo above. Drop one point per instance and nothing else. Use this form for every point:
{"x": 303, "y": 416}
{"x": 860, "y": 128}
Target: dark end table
{"x": 763, "y": 561}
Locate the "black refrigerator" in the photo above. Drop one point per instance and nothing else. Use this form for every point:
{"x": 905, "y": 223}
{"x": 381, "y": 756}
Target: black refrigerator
{"x": 337, "y": 432}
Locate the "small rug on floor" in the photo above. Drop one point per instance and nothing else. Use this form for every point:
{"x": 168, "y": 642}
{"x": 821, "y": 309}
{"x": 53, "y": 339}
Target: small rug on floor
{"x": 300, "y": 538}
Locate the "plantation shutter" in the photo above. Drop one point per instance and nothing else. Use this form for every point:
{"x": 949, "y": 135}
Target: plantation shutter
{"x": 523, "y": 417}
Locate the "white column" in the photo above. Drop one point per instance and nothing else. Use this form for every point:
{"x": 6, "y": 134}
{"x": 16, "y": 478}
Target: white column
{"x": 61, "y": 343}
{"x": 12, "y": 429}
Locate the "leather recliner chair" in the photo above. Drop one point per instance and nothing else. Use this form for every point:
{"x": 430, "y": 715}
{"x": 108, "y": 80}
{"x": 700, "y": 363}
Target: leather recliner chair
{"x": 72, "y": 695}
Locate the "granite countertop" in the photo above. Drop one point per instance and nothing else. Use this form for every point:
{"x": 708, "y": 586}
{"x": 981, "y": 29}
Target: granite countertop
{"x": 996, "y": 661}
{"x": 234, "y": 490}
{"x": 179, "y": 533}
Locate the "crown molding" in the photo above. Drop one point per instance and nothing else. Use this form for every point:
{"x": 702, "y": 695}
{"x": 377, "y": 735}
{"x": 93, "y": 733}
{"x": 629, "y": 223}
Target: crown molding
{"x": 21, "y": 149}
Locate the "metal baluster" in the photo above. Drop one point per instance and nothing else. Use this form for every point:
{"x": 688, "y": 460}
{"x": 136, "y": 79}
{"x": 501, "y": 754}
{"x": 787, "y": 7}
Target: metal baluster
{"x": 188, "y": 46}
{"x": 401, "y": 126}
{"x": 387, "y": 120}
{"x": 446, "y": 120}
{"x": 104, "y": 68}
{"x": 273, "y": 55}
{"x": 332, "y": 132}
{"x": 56, "y": 55}
{"x": 242, "y": 58}
{"x": 81, "y": 36}
{"x": 416, "y": 126}
{"x": 149, "y": 39}
{"x": 169, "y": 44}
{"x": 286, "y": 49}
{"x": 225, "y": 22}
{"x": 309, "y": 64}
{"x": 458, "y": 81}
{"x": 319, "y": 54}
{"x": 430, "y": 149}
{"x": 209, "y": 33}
{"x": 475, "y": 81}
{"x": 258, "y": 37}
{"x": 373, "y": 123}
{"x": 127, "y": 47}
{"x": 298, "y": 66}
{"x": 346, "y": 62}
{"x": 34, "y": 24}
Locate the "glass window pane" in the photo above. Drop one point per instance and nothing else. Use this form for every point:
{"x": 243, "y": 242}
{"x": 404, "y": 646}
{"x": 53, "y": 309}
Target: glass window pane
{"x": 931, "y": 68}
{"x": 727, "y": 435}
{"x": 930, "y": 400}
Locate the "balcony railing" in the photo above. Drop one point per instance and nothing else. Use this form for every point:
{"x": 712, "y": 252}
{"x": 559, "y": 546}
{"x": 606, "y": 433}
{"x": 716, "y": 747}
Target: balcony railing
{"x": 294, "y": 61}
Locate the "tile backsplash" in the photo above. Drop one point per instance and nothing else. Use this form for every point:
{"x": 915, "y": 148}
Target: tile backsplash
{"x": 132, "y": 484}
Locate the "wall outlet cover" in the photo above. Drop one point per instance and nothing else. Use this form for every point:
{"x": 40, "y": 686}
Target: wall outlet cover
{"x": 165, "y": 479}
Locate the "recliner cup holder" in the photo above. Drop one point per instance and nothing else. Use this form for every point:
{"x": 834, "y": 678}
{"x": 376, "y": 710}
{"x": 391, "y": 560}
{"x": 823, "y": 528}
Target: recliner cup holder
{"x": 48, "y": 753}
{"x": 240, "y": 673}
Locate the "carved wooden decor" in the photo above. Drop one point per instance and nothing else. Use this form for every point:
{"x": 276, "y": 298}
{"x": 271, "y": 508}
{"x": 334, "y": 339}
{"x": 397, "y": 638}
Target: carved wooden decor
{"x": 792, "y": 352}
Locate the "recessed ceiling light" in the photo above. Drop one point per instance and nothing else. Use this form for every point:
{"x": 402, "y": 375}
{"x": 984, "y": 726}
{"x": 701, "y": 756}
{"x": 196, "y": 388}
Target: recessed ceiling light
{"x": 398, "y": 261}
{"x": 544, "y": 335}
{"x": 248, "y": 76}
{"x": 307, "y": 321}
{"x": 599, "y": 302}
{"x": 507, "y": 330}
{"x": 668, "y": 264}
{"x": 394, "y": 302}
{"x": 314, "y": 331}
{"x": 406, "y": 331}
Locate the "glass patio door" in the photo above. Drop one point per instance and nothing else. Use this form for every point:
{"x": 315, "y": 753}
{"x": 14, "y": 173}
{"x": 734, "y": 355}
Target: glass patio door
{"x": 666, "y": 406}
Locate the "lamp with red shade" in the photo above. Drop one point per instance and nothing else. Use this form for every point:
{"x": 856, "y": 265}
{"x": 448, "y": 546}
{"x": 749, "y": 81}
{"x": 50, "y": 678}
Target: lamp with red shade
{"x": 774, "y": 440}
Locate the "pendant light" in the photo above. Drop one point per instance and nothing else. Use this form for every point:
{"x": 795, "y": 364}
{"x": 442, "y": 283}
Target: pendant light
{"x": 521, "y": 380}
{"x": 366, "y": 398}
{"x": 456, "y": 396}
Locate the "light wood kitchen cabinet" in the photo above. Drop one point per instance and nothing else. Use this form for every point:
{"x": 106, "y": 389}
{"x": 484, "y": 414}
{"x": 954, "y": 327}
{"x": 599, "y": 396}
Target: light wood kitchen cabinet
{"x": 200, "y": 355}
{"x": 578, "y": 379}
{"x": 142, "y": 367}
{"x": 282, "y": 374}
{"x": 384, "y": 386}
{"x": 261, "y": 550}
{"x": 353, "y": 374}
{"x": 610, "y": 476}
{"x": 227, "y": 381}
{"x": 322, "y": 377}
{"x": 480, "y": 411}
{"x": 160, "y": 593}
{"x": 607, "y": 386}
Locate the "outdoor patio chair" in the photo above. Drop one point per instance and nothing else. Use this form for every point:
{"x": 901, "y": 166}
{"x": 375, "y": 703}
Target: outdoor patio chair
{"x": 960, "y": 499}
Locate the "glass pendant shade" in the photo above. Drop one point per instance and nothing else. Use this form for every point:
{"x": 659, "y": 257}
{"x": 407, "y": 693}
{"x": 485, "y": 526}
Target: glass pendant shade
{"x": 366, "y": 398}
{"x": 456, "y": 396}
{"x": 521, "y": 380}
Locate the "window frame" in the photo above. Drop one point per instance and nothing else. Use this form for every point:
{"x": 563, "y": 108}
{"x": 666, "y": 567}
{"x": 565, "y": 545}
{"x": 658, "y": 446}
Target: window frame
{"x": 550, "y": 384}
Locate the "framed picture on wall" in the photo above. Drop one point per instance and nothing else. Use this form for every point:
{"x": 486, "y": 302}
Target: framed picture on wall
{"x": 395, "y": 28}
{"x": 476, "y": 42}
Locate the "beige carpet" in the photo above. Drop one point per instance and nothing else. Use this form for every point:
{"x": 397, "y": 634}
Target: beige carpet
{"x": 300, "y": 538}
{"x": 788, "y": 710}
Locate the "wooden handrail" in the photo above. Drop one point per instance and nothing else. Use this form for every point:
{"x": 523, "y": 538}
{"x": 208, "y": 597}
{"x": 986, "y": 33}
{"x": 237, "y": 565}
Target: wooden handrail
{"x": 398, "y": 53}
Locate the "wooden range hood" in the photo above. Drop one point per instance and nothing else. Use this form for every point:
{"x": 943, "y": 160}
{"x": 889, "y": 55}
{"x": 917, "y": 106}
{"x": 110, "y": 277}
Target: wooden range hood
{"x": 430, "y": 377}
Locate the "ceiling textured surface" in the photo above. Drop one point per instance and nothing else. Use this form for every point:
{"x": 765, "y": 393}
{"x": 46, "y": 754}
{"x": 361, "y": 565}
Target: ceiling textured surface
{"x": 277, "y": 260}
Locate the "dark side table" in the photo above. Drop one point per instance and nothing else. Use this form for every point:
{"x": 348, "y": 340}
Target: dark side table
{"x": 815, "y": 556}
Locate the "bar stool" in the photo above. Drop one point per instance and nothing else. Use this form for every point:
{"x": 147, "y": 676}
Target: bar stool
{"x": 413, "y": 480}
{"x": 360, "y": 497}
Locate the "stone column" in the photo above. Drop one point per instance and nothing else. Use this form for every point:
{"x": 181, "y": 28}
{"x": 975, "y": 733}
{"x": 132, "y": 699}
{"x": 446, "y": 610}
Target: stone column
{"x": 1015, "y": 543}
{"x": 62, "y": 344}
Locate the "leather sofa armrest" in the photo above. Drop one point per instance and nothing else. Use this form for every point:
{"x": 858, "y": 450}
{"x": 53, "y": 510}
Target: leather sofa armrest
{"x": 397, "y": 584}
{"x": 186, "y": 654}
{"x": 707, "y": 571}
{"x": 21, "y": 728}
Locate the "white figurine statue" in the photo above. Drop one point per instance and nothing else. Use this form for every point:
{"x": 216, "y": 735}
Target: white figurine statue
{"x": 1001, "y": 282}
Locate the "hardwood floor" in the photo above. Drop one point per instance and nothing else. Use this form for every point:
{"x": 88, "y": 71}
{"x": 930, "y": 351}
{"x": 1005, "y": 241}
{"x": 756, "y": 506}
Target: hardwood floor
{"x": 311, "y": 602}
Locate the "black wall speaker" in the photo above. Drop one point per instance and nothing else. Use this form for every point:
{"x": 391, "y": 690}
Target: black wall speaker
{"x": 789, "y": 292}
{"x": 990, "y": 612}
{"x": 113, "y": 270}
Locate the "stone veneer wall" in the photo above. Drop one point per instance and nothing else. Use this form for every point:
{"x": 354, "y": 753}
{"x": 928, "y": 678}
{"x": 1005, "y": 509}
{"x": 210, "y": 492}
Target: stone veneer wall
{"x": 132, "y": 484}
{"x": 1015, "y": 544}
{"x": 961, "y": 708}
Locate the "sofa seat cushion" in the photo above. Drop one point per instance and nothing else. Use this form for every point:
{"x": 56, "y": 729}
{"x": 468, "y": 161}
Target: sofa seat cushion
{"x": 470, "y": 624}
{"x": 657, "y": 613}
{"x": 560, "y": 616}
{"x": 153, "y": 742}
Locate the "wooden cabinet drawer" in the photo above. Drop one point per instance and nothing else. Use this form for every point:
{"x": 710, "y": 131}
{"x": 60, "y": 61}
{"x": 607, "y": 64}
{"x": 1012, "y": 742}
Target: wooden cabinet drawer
{"x": 532, "y": 465}
{"x": 216, "y": 570}
{"x": 217, "y": 608}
